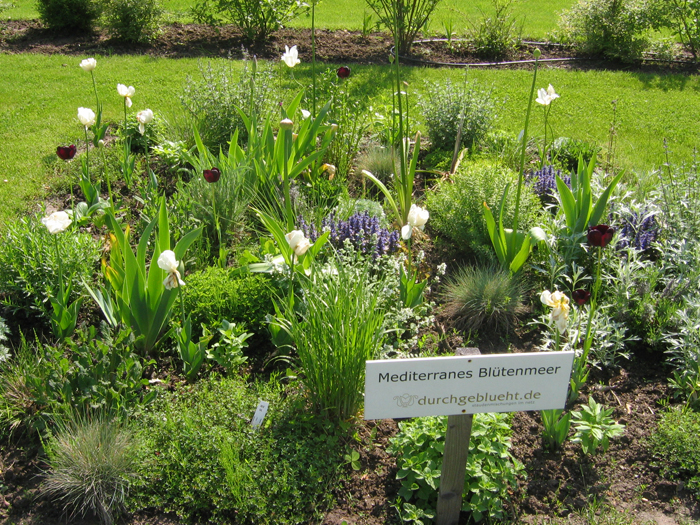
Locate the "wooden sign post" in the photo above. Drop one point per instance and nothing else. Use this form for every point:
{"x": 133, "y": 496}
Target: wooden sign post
{"x": 459, "y": 387}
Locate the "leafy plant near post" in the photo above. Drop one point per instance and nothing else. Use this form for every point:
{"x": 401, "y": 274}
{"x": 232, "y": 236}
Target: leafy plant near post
{"x": 404, "y": 18}
{"x": 491, "y": 469}
{"x": 595, "y": 427}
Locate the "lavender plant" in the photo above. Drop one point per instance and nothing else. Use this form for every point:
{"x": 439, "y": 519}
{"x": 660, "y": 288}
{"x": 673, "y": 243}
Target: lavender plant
{"x": 543, "y": 182}
{"x": 363, "y": 231}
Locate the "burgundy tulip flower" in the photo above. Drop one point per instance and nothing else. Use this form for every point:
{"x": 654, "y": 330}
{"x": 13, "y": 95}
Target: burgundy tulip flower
{"x": 600, "y": 235}
{"x": 66, "y": 152}
{"x": 580, "y": 296}
{"x": 212, "y": 175}
{"x": 343, "y": 72}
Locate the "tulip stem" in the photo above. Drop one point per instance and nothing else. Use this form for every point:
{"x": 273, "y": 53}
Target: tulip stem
{"x": 313, "y": 56}
{"x": 287, "y": 192}
{"x": 94, "y": 86}
{"x": 521, "y": 174}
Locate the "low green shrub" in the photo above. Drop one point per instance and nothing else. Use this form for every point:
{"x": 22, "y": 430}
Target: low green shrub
{"x": 29, "y": 265}
{"x": 69, "y": 15}
{"x": 403, "y": 18}
{"x": 215, "y": 294}
{"x": 443, "y": 107}
{"x": 211, "y": 102}
{"x": 91, "y": 465}
{"x": 203, "y": 461}
{"x": 133, "y": 20}
{"x": 94, "y": 372}
{"x": 488, "y": 298}
{"x": 258, "y": 19}
{"x": 613, "y": 28}
{"x": 676, "y": 447}
{"x": 492, "y": 471}
{"x": 566, "y": 152}
{"x": 456, "y": 206}
{"x": 495, "y": 37}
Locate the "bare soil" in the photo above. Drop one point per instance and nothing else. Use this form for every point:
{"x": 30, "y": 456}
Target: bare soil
{"x": 557, "y": 483}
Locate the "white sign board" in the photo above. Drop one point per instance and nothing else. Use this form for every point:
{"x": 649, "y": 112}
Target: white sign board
{"x": 445, "y": 386}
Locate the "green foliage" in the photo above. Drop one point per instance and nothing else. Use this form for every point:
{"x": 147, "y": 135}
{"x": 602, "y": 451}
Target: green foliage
{"x": 95, "y": 372}
{"x": 4, "y": 331}
{"x": 69, "y": 15}
{"x": 456, "y": 206}
{"x": 211, "y": 102}
{"x": 594, "y": 427}
{"x": 685, "y": 384}
{"x": 445, "y": 105}
{"x": 566, "y": 152}
{"x": 136, "y": 296}
{"x": 484, "y": 297}
{"x": 91, "y": 463}
{"x": 379, "y": 161}
{"x": 555, "y": 428}
{"x": 29, "y": 265}
{"x": 491, "y": 469}
{"x": 676, "y": 447}
{"x": 203, "y": 460}
{"x": 614, "y": 28}
{"x": 495, "y": 37}
{"x": 219, "y": 206}
{"x": 403, "y": 18}
{"x": 215, "y": 294}
{"x": 683, "y": 17}
{"x": 336, "y": 329}
{"x": 228, "y": 352}
{"x": 133, "y": 20}
{"x": 258, "y": 19}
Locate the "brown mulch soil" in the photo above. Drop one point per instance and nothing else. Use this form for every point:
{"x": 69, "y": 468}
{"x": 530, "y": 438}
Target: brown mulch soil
{"x": 557, "y": 483}
{"x": 339, "y": 47}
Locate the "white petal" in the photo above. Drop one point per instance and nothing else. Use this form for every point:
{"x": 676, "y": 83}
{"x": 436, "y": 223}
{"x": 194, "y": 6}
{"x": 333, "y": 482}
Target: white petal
{"x": 406, "y": 232}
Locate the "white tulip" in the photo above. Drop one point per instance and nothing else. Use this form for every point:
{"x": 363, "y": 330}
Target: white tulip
{"x": 170, "y": 264}
{"x": 417, "y": 217}
{"x": 559, "y": 303}
{"x": 297, "y": 242}
{"x": 291, "y": 56}
{"x": 546, "y": 96}
{"x": 144, "y": 117}
{"x": 89, "y": 64}
{"x": 86, "y": 116}
{"x": 126, "y": 92}
{"x": 57, "y": 222}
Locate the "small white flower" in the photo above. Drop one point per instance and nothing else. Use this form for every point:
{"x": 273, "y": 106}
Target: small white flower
{"x": 144, "y": 117}
{"x": 167, "y": 262}
{"x": 417, "y": 217}
{"x": 291, "y": 56}
{"x": 57, "y": 222}
{"x": 546, "y": 96}
{"x": 89, "y": 64}
{"x": 126, "y": 92}
{"x": 297, "y": 242}
{"x": 559, "y": 303}
{"x": 305, "y": 114}
{"x": 86, "y": 116}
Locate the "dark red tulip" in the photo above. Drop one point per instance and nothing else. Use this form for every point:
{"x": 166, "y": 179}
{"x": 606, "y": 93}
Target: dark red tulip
{"x": 66, "y": 152}
{"x": 580, "y": 296}
{"x": 600, "y": 235}
{"x": 343, "y": 72}
{"x": 212, "y": 175}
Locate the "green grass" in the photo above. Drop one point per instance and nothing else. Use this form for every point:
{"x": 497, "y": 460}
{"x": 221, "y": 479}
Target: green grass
{"x": 41, "y": 95}
{"x": 349, "y": 14}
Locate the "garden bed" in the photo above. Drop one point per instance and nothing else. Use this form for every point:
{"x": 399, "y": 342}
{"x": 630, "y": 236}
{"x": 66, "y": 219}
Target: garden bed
{"x": 559, "y": 484}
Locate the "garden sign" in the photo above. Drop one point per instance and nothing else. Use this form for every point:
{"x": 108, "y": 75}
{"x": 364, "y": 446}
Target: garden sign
{"x": 459, "y": 387}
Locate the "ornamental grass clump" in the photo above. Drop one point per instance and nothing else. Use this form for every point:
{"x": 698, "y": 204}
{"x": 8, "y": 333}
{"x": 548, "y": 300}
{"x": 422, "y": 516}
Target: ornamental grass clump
{"x": 91, "y": 462}
{"x": 336, "y": 328}
{"x": 485, "y": 298}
